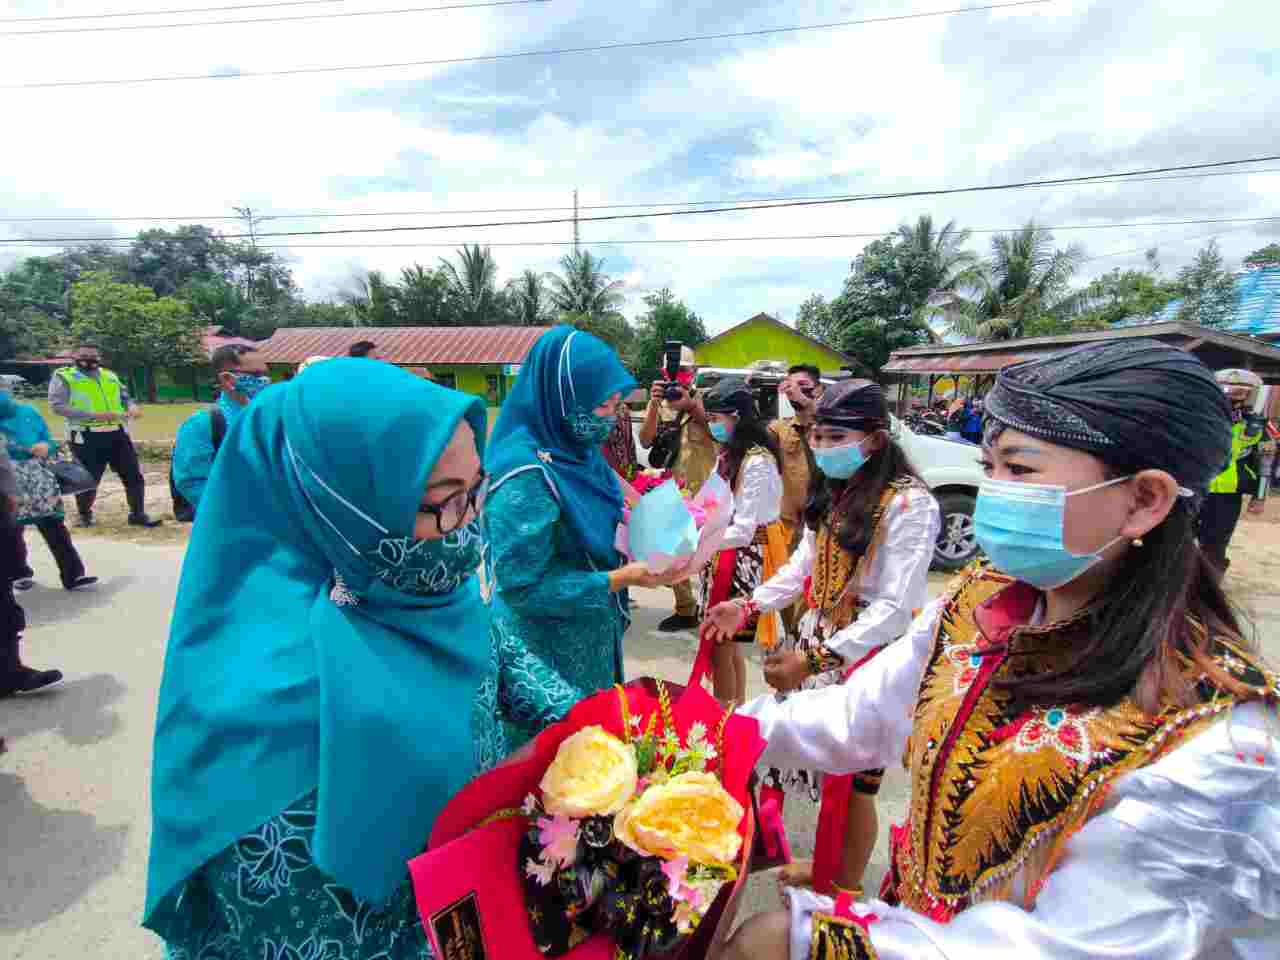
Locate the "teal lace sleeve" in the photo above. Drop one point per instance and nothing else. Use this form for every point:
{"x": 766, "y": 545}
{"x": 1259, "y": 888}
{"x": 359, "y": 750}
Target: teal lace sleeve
{"x": 531, "y": 692}
{"x": 535, "y": 578}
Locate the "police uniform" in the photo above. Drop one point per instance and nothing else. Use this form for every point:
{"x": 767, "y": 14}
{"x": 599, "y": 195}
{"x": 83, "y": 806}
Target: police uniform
{"x": 78, "y": 396}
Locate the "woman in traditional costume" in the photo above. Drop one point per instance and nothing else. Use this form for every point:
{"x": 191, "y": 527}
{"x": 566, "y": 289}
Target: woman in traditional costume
{"x": 1090, "y": 740}
{"x": 559, "y": 605}
{"x": 863, "y": 568}
{"x": 321, "y": 692}
{"x": 755, "y": 545}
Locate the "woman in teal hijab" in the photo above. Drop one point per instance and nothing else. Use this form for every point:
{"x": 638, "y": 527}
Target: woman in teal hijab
{"x": 30, "y": 447}
{"x": 320, "y": 695}
{"x": 559, "y": 606}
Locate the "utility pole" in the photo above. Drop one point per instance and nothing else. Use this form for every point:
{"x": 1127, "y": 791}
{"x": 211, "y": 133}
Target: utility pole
{"x": 251, "y": 221}
{"x": 575, "y": 220}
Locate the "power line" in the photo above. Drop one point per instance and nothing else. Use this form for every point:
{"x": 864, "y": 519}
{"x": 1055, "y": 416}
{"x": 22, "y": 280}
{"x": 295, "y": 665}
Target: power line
{"x": 252, "y": 20}
{"x": 742, "y": 239}
{"x": 167, "y": 13}
{"x": 989, "y": 188}
{"x": 518, "y": 55}
{"x": 319, "y": 215}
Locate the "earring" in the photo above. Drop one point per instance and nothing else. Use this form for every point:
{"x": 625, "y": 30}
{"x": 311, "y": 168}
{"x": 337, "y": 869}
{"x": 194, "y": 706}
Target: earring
{"x": 1137, "y": 541}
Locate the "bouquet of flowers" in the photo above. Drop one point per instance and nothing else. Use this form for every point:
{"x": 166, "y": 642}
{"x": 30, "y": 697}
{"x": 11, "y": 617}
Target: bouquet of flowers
{"x": 634, "y": 829}
{"x": 668, "y": 528}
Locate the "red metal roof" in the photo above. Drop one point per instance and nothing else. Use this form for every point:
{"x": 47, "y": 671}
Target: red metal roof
{"x": 406, "y": 345}
{"x": 213, "y": 339}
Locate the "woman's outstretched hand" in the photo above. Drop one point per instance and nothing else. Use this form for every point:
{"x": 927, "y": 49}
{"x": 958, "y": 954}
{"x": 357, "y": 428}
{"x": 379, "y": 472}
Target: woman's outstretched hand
{"x": 723, "y": 621}
{"x": 636, "y": 574}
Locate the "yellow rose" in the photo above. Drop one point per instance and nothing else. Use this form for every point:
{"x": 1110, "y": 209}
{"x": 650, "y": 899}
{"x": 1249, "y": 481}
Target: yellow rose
{"x": 690, "y": 815}
{"x": 593, "y": 774}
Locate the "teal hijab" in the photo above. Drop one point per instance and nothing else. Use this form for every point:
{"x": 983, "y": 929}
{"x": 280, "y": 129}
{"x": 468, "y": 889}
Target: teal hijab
{"x": 567, "y": 372}
{"x": 274, "y": 685}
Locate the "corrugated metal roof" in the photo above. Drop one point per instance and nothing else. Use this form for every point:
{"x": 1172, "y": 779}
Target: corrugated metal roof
{"x": 406, "y": 345}
{"x": 1257, "y": 310}
{"x": 951, "y": 363}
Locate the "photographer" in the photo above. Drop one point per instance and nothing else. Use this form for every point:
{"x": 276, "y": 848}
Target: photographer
{"x": 676, "y": 435}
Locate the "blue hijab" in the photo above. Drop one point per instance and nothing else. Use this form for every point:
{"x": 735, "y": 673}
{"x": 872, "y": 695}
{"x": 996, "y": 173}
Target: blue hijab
{"x": 566, "y": 372}
{"x": 271, "y": 689}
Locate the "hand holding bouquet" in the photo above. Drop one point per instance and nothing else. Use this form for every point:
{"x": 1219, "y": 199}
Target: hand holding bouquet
{"x": 669, "y": 529}
{"x": 632, "y": 830}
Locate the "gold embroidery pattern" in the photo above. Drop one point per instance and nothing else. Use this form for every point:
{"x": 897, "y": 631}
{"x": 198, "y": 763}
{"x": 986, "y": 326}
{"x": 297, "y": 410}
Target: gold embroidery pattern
{"x": 835, "y": 938}
{"x": 1010, "y": 784}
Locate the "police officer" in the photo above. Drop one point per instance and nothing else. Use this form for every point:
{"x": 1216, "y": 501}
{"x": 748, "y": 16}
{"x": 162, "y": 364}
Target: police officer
{"x": 96, "y": 406}
{"x": 1221, "y": 510}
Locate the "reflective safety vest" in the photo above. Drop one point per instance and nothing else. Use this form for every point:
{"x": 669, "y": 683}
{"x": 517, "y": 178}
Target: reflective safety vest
{"x": 1245, "y": 436}
{"x": 100, "y": 394}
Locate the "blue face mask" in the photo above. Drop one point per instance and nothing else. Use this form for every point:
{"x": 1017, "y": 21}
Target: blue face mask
{"x": 430, "y": 567}
{"x": 589, "y": 428}
{"x": 1019, "y": 527}
{"x": 251, "y": 384}
{"x": 720, "y": 432}
{"x": 840, "y": 463}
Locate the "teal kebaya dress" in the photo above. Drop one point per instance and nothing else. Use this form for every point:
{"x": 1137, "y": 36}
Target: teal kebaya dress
{"x": 552, "y": 518}
{"x": 321, "y": 699}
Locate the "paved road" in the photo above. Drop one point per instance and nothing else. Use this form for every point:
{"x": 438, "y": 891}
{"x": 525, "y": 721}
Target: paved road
{"x": 74, "y": 786}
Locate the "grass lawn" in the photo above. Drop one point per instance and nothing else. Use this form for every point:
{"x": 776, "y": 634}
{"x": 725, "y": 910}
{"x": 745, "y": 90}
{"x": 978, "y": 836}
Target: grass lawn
{"x": 159, "y": 422}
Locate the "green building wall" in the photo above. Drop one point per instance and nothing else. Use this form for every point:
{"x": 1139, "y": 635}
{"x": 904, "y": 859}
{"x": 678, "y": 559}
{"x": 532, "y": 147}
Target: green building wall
{"x": 764, "y": 340}
{"x": 469, "y": 378}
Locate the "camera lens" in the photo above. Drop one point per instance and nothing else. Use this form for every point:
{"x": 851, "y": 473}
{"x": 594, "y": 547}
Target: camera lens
{"x": 673, "y": 392}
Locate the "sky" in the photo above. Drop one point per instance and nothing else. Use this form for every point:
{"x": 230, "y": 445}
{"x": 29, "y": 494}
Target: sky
{"x": 1060, "y": 89}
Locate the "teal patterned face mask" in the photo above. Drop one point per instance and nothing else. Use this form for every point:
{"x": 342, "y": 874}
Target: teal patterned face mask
{"x": 589, "y": 428}
{"x": 430, "y": 567}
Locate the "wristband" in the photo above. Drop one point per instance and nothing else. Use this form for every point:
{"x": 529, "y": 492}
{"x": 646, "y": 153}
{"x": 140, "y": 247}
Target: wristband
{"x": 749, "y": 609}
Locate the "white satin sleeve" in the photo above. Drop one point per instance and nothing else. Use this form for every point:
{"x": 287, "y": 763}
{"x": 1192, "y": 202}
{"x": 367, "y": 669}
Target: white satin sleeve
{"x": 862, "y": 724}
{"x": 1183, "y": 862}
{"x": 786, "y": 586}
{"x": 897, "y": 583}
{"x": 757, "y": 502}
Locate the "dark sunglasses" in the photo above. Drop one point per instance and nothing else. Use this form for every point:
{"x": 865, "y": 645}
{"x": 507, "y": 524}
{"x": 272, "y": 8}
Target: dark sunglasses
{"x": 453, "y": 511}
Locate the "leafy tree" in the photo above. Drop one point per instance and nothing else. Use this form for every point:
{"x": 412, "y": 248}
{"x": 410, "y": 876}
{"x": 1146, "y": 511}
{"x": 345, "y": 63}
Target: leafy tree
{"x": 1025, "y": 279}
{"x": 882, "y": 307}
{"x": 26, "y": 332}
{"x": 612, "y": 328}
{"x": 529, "y": 300}
{"x": 473, "y": 286}
{"x": 136, "y": 330}
{"x": 1267, "y": 254}
{"x": 584, "y": 287}
{"x": 372, "y": 300}
{"x": 1113, "y": 297}
{"x": 422, "y": 298}
{"x": 218, "y": 303}
{"x": 666, "y": 319}
{"x": 932, "y": 264}
{"x": 1208, "y": 289}
{"x": 323, "y": 314}
{"x": 166, "y": 261}
{"x": 815, "y": 319}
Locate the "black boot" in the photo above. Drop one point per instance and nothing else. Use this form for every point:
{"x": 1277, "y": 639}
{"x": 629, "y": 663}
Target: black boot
{"x": 136, "y": 495}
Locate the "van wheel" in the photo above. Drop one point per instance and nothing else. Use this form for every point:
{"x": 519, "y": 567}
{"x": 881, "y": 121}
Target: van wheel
{"x": 957, "y": 540}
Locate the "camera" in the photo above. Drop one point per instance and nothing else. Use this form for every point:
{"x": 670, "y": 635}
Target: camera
{"x": 671, "y": 352}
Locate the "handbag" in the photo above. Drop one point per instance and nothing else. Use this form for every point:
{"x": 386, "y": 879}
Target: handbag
{"x": 72, "y": 477}
{"x": 666, "y": 445}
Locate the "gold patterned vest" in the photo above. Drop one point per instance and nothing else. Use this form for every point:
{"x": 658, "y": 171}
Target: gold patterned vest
{"x": 996, "y": 793}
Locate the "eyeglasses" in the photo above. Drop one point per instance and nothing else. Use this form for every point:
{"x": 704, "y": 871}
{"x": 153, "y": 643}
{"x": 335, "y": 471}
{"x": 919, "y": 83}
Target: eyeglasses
{"x": 452, "y": 512}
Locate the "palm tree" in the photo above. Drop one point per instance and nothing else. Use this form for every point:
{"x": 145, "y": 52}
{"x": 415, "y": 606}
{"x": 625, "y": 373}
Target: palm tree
{"x": 473, "y": 284}
{"x": 1025, "y": 278}
{"x": 529, "y": 299}
{"x": 372, "y": 300}
{"x": 936, "y": 268}
{"x": 584, "y": 288}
